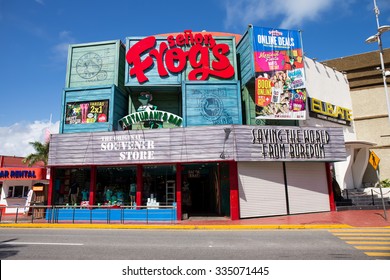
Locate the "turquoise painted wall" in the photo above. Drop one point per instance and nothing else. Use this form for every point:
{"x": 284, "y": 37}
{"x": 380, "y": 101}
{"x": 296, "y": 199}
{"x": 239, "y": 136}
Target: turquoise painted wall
{"x": 99, "y": 71}
{"x": 245, "y": 58}
{"x": 211, "y": 103}
{"x": 166, "y": 99}
{"x": 96, "y": 64}
{"x": 117, "y": 102}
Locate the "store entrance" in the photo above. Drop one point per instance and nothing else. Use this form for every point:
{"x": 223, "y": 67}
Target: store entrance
{"x": 201, "y": 190}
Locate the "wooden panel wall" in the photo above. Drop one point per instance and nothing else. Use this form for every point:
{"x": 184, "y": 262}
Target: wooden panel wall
{"x": 207, "y": 103}
{"x": 166, "y": 99}
{"x": 195, "y": 144}
{"x": 96, "y": 64}
{"x": 118, "y": 102}
{"x": 245, "y": 55}
{"x": 119, "y": 108}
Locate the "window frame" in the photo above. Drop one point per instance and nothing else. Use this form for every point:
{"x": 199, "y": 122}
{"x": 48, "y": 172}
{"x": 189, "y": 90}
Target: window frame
{"x": 23, "y": 191}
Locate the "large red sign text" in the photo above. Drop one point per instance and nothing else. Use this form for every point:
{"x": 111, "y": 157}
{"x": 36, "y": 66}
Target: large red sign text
{"x": 171, "y": 57}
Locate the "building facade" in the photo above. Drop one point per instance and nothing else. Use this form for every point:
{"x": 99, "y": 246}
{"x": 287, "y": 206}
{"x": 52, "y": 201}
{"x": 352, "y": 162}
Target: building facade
{"x": 201, "y": 122}
{"x": 21, "y": 185}
{"x": 371, "y": 117}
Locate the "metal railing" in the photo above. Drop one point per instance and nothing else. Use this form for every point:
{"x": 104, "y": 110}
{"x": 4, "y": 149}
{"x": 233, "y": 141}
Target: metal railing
{"x": 363, "y": 198}
{"x": 88, "y": 214}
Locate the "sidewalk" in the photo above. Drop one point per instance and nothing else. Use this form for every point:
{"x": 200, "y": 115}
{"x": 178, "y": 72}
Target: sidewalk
{"x": 325, "y": 220}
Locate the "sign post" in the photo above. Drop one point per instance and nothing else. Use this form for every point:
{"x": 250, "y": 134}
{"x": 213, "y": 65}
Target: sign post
{"x": 374, "y": 161}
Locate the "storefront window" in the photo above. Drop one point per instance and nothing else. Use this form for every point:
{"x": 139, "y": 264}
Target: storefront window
{"x": 17, "y": 191}
{"x": 159, "y": 185}
{"x": 113, "y": 184}
{"x": 64, "y": 177}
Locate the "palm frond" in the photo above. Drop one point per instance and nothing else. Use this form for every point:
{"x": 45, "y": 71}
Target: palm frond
{"x": 41, "y": 153}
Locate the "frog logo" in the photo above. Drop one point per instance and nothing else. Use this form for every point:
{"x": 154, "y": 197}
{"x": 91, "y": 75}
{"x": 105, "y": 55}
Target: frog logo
{"x": 212, "y": 108}
{"x": 145, "y": 97}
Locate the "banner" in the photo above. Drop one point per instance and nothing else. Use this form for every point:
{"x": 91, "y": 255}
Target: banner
{"x": 280, "y": 78}
{"x": 86, "y": 112}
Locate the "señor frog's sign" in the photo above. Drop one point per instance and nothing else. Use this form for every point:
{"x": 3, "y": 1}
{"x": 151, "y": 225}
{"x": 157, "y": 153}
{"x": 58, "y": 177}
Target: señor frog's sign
{"x": 206, "y": 56}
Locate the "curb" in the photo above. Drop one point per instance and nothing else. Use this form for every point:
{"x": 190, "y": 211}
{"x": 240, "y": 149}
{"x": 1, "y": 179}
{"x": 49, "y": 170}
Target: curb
{"x": 179, "y": 227}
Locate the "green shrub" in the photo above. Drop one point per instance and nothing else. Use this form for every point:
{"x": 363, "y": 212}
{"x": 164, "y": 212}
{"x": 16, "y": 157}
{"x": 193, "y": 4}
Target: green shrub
{"x": 385, "y": 183}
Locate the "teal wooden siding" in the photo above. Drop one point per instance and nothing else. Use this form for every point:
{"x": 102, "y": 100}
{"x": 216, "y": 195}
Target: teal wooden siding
{"x": 248, "y": 99}
{"x": 245, "y": 55}
{"x": 167, "y": 99}
{"x": 152, "y": 73}
{"x": 122, "y": 68}
{"x": 117, "y": 108}
{"x": 96, "y": 64}
{"x": 206, "y": 103}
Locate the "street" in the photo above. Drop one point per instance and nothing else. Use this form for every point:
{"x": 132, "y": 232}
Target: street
{"x": 124, "y": 244}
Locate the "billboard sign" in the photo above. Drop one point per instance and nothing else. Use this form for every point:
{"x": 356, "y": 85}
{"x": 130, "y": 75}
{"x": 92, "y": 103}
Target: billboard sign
{"x": 280, "y": 78}
{"x": 86, "y": 112}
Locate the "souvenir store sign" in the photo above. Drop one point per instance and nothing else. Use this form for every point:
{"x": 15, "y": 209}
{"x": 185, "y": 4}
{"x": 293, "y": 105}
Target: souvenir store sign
{"x": 206, "y": 57}
{"x": 280, "y": 80}
{"x": 196, "y": 144}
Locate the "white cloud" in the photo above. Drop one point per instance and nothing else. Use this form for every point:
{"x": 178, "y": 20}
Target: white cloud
{"x": 40, "y": 2}
{"x": 60, "y": 50}
{"x": 292, "y": 14}
{"x": 15, "y": 139}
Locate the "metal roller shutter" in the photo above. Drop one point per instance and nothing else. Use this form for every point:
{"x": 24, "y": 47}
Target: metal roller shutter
{"x": 262, "y": 189}
{"x": 307, "y": 187}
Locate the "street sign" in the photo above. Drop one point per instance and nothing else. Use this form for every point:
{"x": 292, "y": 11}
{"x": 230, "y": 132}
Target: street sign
{"x": 374, "y": 160}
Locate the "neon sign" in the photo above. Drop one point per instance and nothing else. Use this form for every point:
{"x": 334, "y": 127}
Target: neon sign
{"x": 171, "y": 56}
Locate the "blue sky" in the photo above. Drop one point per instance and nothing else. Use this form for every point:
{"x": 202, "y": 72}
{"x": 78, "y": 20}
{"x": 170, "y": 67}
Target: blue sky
{"x": 35, "y": 35}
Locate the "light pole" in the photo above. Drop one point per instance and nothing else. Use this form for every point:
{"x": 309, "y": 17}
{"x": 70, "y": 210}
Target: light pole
{"x": 377, "y": 38}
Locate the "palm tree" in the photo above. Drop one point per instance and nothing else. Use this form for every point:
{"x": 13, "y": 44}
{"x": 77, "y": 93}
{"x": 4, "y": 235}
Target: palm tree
{"x": 41, "y": 153}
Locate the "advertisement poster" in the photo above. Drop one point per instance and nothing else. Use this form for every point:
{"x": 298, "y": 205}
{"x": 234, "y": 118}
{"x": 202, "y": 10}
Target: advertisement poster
{"x": 86, "y": 112}
{"x": 280, "y": 78}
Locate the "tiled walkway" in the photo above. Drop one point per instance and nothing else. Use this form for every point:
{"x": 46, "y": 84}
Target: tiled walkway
{"x": 355, "y": 218}
{"x": 341, "y": 219}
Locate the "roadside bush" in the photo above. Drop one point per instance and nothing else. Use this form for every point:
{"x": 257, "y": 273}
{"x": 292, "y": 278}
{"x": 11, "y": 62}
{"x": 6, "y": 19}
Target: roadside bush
{"x": 385, "y": 183}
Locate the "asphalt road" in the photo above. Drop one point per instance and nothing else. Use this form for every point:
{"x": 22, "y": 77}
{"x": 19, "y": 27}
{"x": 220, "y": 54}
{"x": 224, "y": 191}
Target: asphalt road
{"x": 91, "y": 244}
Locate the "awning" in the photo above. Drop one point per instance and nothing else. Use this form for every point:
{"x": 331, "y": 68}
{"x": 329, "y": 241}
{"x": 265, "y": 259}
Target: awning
{"x": 359, "y": 144}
